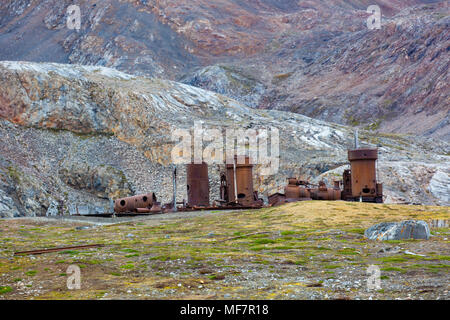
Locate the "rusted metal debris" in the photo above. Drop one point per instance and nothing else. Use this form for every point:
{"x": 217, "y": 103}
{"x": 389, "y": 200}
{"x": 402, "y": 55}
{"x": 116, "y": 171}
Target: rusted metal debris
{"x": 41, "y": 251}
{"x": 236, "y": 187}
{"x": 144, "y": 203}
{"x": 237, "y": 184}
{"x": 239, "y": 176}
{"x": 359, "y": 183}
{"x": 363, "y": 176}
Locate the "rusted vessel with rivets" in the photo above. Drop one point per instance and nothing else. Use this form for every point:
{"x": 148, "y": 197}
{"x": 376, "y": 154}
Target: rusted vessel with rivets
{"x": 197, "y": 184}
{"x": 324, "y": 193}
{"x": 294, "y": 191}
{"x": 245, "y": 195}
{"x": 364, "y": 184}
{"x": 131, "y": 204}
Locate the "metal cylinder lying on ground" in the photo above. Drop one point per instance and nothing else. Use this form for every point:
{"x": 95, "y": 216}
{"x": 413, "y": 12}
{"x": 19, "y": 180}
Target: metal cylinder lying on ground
{"x": 131, "y": 204}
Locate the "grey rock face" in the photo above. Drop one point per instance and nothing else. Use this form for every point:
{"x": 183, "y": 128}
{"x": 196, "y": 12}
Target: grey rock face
{"x": 52, "y": 209}
{"x": 229, "y": 82}
{"x": 7, "y": 206}
{"x": 410, "y": 229}
{"x": 103, "y": 181}
{"x": 440, "y": 186}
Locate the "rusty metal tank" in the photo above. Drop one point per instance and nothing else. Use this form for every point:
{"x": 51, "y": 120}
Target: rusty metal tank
{"x": 131, "y": 204}
{"x": 197, "y": 184}
{"x": 363, "y": 172}
{"x": 244, "y": 181}
{"x": 294, "y": 191}
{"x": 324, "y": 193}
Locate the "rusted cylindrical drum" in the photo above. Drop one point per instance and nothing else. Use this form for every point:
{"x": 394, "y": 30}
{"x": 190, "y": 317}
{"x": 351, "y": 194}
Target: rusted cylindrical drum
{"x": 304, "y": 193}
{"x": 363, "y": 172}
{"x": 244, "y": 181}
{"x": 325, "y": 194}
{"x": 296, "y": 192}
{"x": 197, "y": 184}
{"x": 130, "y": 204}
{"x": 292, "y": 192}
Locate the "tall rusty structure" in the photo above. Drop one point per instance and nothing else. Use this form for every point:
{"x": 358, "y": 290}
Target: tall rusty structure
{"x": 239, "y": 182}
{"x": 197, "y": 185}
{"x": 363, "y": 176}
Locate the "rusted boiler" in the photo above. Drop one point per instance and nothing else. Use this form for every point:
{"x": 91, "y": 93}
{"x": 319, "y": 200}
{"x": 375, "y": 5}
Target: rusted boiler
{"x": 197, "y": 185}
{"x": 325, "y": 193}
{"x": 295, "y": 190}
{"x": 362, "y": 177}
{"x": 135, "y": 203}
{"x": 239, "y": 183}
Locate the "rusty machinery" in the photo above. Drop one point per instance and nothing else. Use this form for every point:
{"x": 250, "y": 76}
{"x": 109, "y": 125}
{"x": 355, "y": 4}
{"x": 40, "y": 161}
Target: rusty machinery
{"x": 197, "y": 185}
{"x": 325, "y": 193}
{"x": 198, "y": 192}
{"x": 298, "y": 190}
{"x": 144, "y": 203}
{"x": 237, "y": 184}
{"x": 360, "y": 182}
{"x": 236, "y": 187}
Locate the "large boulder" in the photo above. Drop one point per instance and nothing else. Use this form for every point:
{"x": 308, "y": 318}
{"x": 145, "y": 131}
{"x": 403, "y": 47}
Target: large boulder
{"x": 410, "y": 229}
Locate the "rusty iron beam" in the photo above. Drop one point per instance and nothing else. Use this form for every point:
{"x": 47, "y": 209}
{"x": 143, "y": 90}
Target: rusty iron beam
{"x": 40, "y": 251}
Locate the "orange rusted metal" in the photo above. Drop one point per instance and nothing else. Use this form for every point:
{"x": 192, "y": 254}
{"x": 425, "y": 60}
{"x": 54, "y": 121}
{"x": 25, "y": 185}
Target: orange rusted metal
{"x": 294, "y": 191}
{"x": 244, "y": 181}
{"x": 364, "y": 184}
{"x": 130, "y": 204}
{"x": 324, "y": 193}
{"x": 197, "y": 184}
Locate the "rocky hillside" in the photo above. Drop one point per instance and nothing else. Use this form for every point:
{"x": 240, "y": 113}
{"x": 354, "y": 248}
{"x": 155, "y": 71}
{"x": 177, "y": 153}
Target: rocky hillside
{"x": 389, "y": 80}
{"x": 76, "y": 136}
{"x": 315, "y": 58}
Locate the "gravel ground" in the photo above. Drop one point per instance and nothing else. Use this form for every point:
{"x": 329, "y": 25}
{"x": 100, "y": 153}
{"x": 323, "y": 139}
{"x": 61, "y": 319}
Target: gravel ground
{"x": 306, "y": 250}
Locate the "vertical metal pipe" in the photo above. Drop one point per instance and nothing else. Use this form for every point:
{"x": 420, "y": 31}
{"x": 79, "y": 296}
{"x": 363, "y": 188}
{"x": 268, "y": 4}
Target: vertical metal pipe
{"x": 356, "y": 139}
{"x": 175, "y": 189}
{"x": 235, "y": 180}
